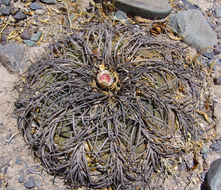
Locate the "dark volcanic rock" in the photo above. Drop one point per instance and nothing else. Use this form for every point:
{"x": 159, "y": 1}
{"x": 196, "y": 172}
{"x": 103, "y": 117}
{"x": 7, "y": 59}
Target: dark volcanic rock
{"x": 48, "y": 1}
{"x": 152, "y": 9}
{"x": 35, "y": 6}
{"x": 26, "y": 35}
{"x": 216, "y": 146}
{"x": 19, "y": 16}
{"x": 5, "y": 11}
{"x": 213, "y": 179}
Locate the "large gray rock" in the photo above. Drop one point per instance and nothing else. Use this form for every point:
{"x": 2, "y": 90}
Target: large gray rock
{"x": 213, "y": 179}
{"x": 14, "y": 57}
{"x": 193, "y": 27}
{"x": 152, "y": 9}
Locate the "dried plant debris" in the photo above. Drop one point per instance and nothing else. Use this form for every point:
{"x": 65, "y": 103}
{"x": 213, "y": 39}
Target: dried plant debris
{"x": 110, "y": 106}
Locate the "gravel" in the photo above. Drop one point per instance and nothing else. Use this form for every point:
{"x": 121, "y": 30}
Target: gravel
{"x": 215, "y": 146}
{"x": 5, "y": 11}
{"x": 21, "y": 178}
{"x": 35, "y": 6}
{"x": 30, "y": 183}
{"x": 26, "y": 35}
{"x": 18, "y": 160}
{"x": 19, "y": 16}
{"x": 204, "y": 150}
{"x": 49, "y": 1}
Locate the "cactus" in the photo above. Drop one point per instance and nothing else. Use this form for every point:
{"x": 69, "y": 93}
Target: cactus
{"x": 102, "y": 108}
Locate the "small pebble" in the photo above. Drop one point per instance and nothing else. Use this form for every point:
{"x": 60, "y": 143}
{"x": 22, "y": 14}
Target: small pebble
{"x": 217, "y": 49}
{"x": 189, "y": 161}
{"x": 18, "y": 160}
{"x": 219, "y": 36}
{"x": 29, "y": 43}
{"x": 6, "y": 2}
{"x": 36, "y": 36}
{"x": 182, "y": 167}
{"x": 49, "y": 1}
{"x": 204, "y": 150}
{"x": 19, "y": 16}
{"x": 205, "y": 156}
{"x": 120, "y": 15}
{"x": 35, "y": 6}
{"x": 30, "y": 183}
{"x": 217, "y": 12}
{"x": 21, "y": 178}
{"x": 5, "y": 11}
{"x": 26, "y": 35}
{"x": 215, "y": 146}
